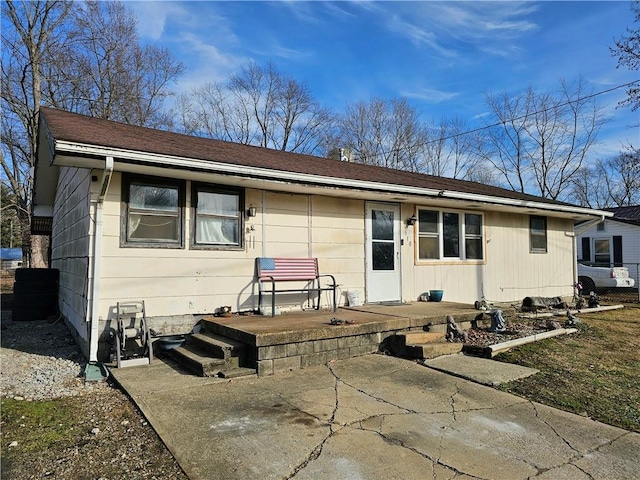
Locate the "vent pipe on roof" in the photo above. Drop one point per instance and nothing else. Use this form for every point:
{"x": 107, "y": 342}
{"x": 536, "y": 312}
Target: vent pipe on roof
{"x": 345, "y": 154}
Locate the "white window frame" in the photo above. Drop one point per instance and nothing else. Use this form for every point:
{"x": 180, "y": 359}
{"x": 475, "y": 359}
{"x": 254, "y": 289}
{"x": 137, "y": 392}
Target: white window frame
{"x": 462, "y": 236}
{"x": 609, "y": 253}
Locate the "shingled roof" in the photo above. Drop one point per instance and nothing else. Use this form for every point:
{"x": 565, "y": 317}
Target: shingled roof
{"x": 81, "y": 129}
{"x": 629, "y": 214}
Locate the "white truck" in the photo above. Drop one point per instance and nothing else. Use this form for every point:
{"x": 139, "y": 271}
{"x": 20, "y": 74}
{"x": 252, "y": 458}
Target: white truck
{"x": 595, "y": 278}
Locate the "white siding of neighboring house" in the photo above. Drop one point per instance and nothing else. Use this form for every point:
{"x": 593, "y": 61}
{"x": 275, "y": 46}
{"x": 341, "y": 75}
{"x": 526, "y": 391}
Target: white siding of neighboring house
{"x": 70, "y": 244}
{"x": 630, "y": 243}
{"x": 509, "y": 273}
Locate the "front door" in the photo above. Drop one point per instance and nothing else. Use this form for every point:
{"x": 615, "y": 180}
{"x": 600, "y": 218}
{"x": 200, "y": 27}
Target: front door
{"x": 383, "y": 252}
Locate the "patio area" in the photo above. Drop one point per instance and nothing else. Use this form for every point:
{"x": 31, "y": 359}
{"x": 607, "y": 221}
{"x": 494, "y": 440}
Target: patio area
{"x": 303, "y": 339}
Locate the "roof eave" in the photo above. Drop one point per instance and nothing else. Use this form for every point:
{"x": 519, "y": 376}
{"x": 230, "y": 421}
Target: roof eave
{"x": 91, "y": 156}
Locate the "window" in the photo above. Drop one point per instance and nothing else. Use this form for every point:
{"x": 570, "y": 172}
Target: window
{"x": 152, "y": 212}
{"x": 602, "y": 252}
{"x": 473, "y": 236}
{"x": 600, "y": 227}
{"x": 428, "y": 235}
{"x": 450, "y": 235}
{"x": 538, "y": 234}
{"x": 218, "y": 217}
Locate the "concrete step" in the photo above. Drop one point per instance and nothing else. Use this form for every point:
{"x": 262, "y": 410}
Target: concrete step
{"x": 238, "y": 372}
{"x": 419, "y": 338}
{"x": 432, "y": 349}
{"x": 217, "y": 345}
{"x": 199, "y": 362}
{"x": 401, "y": 342}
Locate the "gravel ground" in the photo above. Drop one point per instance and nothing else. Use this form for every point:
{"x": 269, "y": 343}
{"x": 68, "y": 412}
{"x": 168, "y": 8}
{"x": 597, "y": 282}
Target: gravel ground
{"x": 105, "y": 436}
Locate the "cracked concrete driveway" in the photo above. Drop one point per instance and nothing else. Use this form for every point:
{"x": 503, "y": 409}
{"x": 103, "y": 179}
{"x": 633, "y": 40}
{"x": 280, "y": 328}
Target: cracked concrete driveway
{"x": 371, "y": 417}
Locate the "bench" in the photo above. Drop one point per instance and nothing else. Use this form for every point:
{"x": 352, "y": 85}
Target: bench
{"x": 275, "y": 270}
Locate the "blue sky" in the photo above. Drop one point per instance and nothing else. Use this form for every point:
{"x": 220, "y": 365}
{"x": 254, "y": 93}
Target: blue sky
{"x": 442, "y": 56}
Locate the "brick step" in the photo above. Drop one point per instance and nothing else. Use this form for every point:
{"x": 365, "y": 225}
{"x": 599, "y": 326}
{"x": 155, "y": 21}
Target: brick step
{"x": 217, "y": 345}
{"x": 200, "y": 362}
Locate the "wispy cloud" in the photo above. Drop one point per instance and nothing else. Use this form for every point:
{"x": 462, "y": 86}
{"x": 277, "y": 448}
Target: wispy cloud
{"x": 152, "y": 17}
{"x": 449, "y": 28}
{"x": 208, "y": 63}
{"x": 429, "y": 95}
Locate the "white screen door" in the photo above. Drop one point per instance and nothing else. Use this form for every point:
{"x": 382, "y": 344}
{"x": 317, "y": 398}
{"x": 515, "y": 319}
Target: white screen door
{"x": 383, "y": 252}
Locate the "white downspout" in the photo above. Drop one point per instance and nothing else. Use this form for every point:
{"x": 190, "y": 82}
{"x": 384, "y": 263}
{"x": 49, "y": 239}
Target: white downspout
{"x": 97, "y": 260}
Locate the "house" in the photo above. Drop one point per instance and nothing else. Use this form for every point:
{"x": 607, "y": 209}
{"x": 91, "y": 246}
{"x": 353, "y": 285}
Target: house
{"x": 614, "y": 241}
{"x": 11, "y": 258}
{"x": 179, "y": 221}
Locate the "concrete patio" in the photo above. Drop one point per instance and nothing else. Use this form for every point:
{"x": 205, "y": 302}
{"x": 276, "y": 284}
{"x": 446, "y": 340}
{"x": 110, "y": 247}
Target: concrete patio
{"x": 370, "y": 417}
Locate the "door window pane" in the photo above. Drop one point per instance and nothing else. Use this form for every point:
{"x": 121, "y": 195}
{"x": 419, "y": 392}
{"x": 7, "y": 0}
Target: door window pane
{"x": 382, "y": 225}
{"x": 383, "y": 255}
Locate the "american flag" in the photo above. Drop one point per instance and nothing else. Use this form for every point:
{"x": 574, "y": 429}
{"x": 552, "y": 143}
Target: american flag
{"x": 288, "y": 268}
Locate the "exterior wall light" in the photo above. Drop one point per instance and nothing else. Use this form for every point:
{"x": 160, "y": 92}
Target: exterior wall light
{"x": 412, "y": 220}
{"x": 251, "y": 212}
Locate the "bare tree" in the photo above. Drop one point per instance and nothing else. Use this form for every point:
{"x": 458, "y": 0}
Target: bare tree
{"x": 540, "y": 139}
{"x": 450, "y": 149}
{"x": 31, "y": 31}
{"x": 627, "y": 49}
{"x": 108, "y": 73}
{"x": 384, "y": 132}
{"x": 587, "y": 187}
{"x": 612, "y": 182}
{"x": 79, "y": 57}
{"x": 258, "y": 106}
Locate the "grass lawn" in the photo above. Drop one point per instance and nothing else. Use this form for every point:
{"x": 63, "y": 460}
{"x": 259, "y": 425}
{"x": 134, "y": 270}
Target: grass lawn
{"x": 594, "y": 372}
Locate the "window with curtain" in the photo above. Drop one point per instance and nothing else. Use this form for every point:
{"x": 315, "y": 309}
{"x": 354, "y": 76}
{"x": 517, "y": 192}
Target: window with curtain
{"x": 450, "y": 235}
{"x": 152, "y": 212}
{"x": 538, "y": 234}
{"x": 218, "y": 217}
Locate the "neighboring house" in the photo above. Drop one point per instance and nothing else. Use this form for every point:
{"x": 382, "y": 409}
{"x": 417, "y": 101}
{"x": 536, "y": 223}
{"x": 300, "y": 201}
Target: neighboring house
{"x": 11, "y": 258}
{"x": 613, "y": 241}
{"x": 178, "y": 221}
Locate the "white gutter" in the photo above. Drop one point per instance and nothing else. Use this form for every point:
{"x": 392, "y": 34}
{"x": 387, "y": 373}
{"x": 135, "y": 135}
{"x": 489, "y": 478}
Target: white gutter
{"x": 168, "y": 161}
{"x": 97, "y": 261}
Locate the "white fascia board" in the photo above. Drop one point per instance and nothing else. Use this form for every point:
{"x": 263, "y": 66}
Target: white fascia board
{"x": 168, "y": 161}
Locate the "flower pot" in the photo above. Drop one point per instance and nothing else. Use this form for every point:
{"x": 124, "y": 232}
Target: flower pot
{"x": 435, "y": 295}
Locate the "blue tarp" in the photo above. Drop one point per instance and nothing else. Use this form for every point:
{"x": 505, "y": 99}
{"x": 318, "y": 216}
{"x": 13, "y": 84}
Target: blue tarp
{"x": 11, "y": 254}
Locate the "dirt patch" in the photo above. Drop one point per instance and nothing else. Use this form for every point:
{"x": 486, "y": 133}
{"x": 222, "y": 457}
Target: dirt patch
{"x": 92, "y": 432}
{"x": 96, "y": 436}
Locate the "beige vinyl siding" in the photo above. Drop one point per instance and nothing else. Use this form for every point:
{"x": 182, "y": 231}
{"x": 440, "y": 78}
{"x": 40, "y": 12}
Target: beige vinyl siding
{"x": 70, "y": 244}
{"x": 189, "y": 281}
{"x": 338, "y": 241}
{"x": 510, "y": 272}
{"x": 513, "y": 272}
